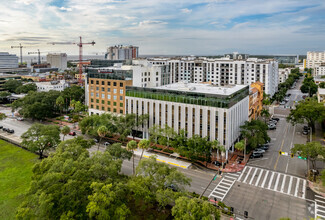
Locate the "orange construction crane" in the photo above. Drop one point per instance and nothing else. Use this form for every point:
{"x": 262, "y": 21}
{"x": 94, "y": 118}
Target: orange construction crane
{"x": 21, "y": 52}
{"x": 80, "y": 54}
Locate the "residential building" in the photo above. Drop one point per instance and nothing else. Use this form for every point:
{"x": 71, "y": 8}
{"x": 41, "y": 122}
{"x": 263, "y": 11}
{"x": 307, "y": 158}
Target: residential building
{"x": 321, "y": 95}
{"x": 121, "y": 52}
{"x": 8, "y": 60}
{"x": 57, "y": 60}
{"x": 53, "y": 85}
{"x": 255, "y": 100}
{"x": 320, "y": 70}
{"x": 202, "y": 109}
{"x": 105, "y": 91}
{"x": 223, "y": 71}
{"x": 314, "y": 58}
{"x": 319, "y": 79}
{"x": 284, "y": 74}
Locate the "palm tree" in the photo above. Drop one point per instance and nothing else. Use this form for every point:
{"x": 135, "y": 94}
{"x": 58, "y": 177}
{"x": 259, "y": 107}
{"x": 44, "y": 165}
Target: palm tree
{"x": 65, "y": 130}
{"x": 102, "y": 131}
{"x": 131, "y": 146}
{"x": 265, "y": 113}
{"x": 215, "y": 145}
{"x": 144, "y": 144}
{"x": 60, "y": 102}
{"x": 241, "y": 146}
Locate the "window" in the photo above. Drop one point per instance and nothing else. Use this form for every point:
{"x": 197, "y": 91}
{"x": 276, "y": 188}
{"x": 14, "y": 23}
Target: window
{"x": 92, "y": 81}
{"x": 92, "y": 94}
{"x": 121, "y": 104}
{"x": 103, "y": 96}
{"x": 91, "y": 106}
{"x": 108, "y": 102}
{"x": 103, "y": 83}
{"x": 108, "y": 83}
{"x": 121, "y": 98}
{"x": 114, "y": 103}
{"x": 157, "y": 79}
{"x": 97, "y": 82}
{"x": 157, "y": 73}
{"x": 103, "y": 108}
{"x": 97, "y": 88}
{"x": 109, "y": 109}
{"x": 97, "y": 100}
{"x": 97, "y": 94}
{"x": 108, "y": 89}
{"x": 121, "y": 84}
{"x": 91, "y": 100}
{"x": 97, "y": 107}
{"x": 114, "y": 83}
{"x": 121, "y": 91}
{"x": 91, "y": 88}
{"x": 115, "y": 97}
{"x": 115, "y": 90}
{"x": 108, "y": 96}
{"x": 114, "y": 110}
{"x": 103, "y": 89}
{"x": 103, "y": 102}
{"x": 121, "y": 111}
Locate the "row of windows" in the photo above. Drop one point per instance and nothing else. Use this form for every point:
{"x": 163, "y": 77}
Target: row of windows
{"x": 106, "y": 109}
{"x": 108, "y": 89}
{"x": 108, "y": 96}
{"x": 103, "y": 83}
{"x": 103, "y": 102}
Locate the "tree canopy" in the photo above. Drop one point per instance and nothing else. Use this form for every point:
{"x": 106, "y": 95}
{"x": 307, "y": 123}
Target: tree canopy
{"x": 255, "y": 132}
{"x": 310, "y": 150}
{"x": 26, "y": 88}
{"x": 309, "y": 86}
{"x": 11, "y": 85}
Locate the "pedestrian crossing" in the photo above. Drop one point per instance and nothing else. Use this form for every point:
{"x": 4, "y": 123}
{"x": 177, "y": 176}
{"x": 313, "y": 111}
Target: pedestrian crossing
{"x": 319, "y": 207}
{"x": 223, "y": 187}
{"x": 275, "y": 181}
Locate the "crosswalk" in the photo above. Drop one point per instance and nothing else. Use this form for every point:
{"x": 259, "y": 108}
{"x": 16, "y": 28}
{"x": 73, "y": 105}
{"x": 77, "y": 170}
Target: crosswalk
{"x": 319, "y": 207}
{"x": 275, "y": 181}
{"x": 223, "y": 187}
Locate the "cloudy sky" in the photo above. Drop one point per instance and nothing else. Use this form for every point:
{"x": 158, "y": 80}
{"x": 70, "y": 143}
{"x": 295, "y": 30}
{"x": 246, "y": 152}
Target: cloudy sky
{"x": 167, "y": 27}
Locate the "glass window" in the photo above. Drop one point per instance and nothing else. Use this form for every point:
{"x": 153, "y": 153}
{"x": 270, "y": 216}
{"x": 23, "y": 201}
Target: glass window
{"x": 115, "y": 97}
{"x": 103, "y": 108}
{"x": 103, "y": 102}
{"x": 114, "y": 83}
{"x": 121, "y": 91}
{"x": 103, "y": 83}
{"x": 114, "y": 109}
{"x": 121, "y": 104}
{"x": 92, "y": 94}
{"x": 121, "y": 111}
{"x": 121, "y": 84}
{"x": 103, "y": 96}
{"x": 108, "y": 89}
{"x": 115, "y": 90}
{"x": 108, "y": 102}
{"x": 156, "y": 78}
{"x": 121, "y": 98}
{"x": 103, "y": 89}
{"x": 108, "y": 109}
{"x": 91, "y": 100}
{"x": 92, "y": 81}
{"x": 97, "y": 88}
{"x": 97, "y": 94}
{"x": 91, "y": 88}
{"x": 97, "y": 107}
{"x": 108, "y": 83}
{"x": 108, "y": 96}
{"x": 97, "y": 82}
{"x": 91, "y": 106}
{"x": 114, "y": 103}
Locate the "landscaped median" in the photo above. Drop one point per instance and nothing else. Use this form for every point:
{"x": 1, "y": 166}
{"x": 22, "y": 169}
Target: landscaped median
{"x": 15, "y": 175}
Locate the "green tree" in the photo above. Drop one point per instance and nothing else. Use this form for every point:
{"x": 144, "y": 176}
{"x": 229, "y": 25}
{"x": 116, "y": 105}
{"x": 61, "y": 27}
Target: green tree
{"x": 322, "y": 176}
{"x": 102, "y": 131}
{"x": 117, "y": 152}
{"x": 76, "y": 93}
{"x": 192, "y": 208}
{"x": 265, "y": 113}
{"x": 4, "y": 94}
{"x": 241, "y": 146}
{"x": 307, "y": 110}
{"x": 65, "y": 131}
{"x": 26, "y": 88}
{"x": 255, "y": 133}
{"x": 80, "y": 141}
{"x": 131, "y": 146}
{"x": 309, "y": 86}
{"x": 2, "y": 116}
{"x": 155, "y": 133}
{"x": 321, "y": 85}
{"x": 39, "y": 138}
{"x": 144, "y": 144}
{"x": 11, "y": 85}
{"x": 60, "y": 102}
{"x": 310, "y": 150}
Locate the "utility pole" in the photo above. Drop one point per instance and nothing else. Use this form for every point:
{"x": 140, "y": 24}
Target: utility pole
{"x": 21, "y": 52}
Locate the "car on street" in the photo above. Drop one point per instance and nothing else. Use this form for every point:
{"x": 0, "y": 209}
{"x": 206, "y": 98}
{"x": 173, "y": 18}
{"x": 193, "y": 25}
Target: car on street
{"x": 305, "y": 132}
{"x": 106, "y": 144}
{"x": 306, "y": 128}
{"x": 275, "y": 119}
{"x": 217, "y": 163}
{"x": 288, "y": 94}
{"x": 256, "y": 155}
{"x": 72, "y": 133}
{"x": 1, "y": 126}
{"x": 11, "y": 131}
{"x": 20, "y": 119}
{"x": 259, "y": 150}
{"x": 5, "y": 129}
{"x": 282, "y": 103}
{"x": 272, "y": 126}
{"x": 264, "y": 147}
{"x": 286, "y": 99}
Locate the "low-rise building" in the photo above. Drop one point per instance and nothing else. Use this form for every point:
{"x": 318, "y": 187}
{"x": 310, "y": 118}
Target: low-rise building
{"x": 284, "y": 74}
{"x": 202, "y": 109}
{"x": 53, "y": 85}
{"x": 321, "y": 95}
{"x": 320, "y": 69}
{"x": 255, "y": 100}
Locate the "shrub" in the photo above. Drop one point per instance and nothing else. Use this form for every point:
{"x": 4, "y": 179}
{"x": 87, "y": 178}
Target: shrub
{"x": 168, "y": 151}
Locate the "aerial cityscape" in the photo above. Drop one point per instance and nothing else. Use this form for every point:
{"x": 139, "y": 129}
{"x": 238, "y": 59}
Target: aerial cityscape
{"x": 203, "y": 109}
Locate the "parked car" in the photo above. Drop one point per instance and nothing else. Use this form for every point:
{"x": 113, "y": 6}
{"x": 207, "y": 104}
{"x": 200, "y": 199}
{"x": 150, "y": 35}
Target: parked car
{"x": 286, "y": 99}
{"x": 173, "y": 187}
{"x": 271, "y": 126}
{"x": 106, "y": 144}
{"x": 306, "y": 128}
{"x": 5, "y": 129}
{"x": 1, "y": 126}
{"x": 217, "y": 163}
{"x": 20, "y": 119}
{"x": 11, "y": 131}
{"x": 72, "y": 133}
{"x": 282, "y": 103}
{"x": 304, "y": 96}
{"x": 288, "y": 94}
{"x": 305, "y": 132}
{"x": 259, "y": 150}
{"x": 264, "y": 147}
{"x": 256, "y": 155}
{"x": 275, "y": 119}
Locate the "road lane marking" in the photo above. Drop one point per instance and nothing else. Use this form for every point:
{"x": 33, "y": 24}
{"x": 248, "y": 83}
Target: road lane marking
{"x": 283, "y": 182}
{"x": 277, "y": 182}
{"x": 250, "y": 182}
{"x": 259, "y": 177}
{"x": 247, "y": 175}
{"x": 297, "y": 185}
{"x": 233, "y": 174}
{"x": 271, "y": 180}
{"x": 303, "y": 189}
{"x": 277, "y": 160}
{"x": 241, "y": 175}
{"x": 266, "y": 174}
{"x": 290, "y": 184}
{"x": 230, "y": 177}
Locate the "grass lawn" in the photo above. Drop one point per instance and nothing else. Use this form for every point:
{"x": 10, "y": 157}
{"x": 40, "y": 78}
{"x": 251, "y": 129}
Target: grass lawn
{"x": 15, "y": 175}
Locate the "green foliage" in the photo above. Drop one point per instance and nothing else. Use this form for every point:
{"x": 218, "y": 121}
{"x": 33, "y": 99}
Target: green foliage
{"x": 11, "y": 85}
{"x": 26, "y": 88}
{"x": 2, "y": 116}
{"x": 310, "y": 150}
{"x": 39, "y": 138}
{"x": 240, "y": 145}
{"x": 60, "y": 102}
{"x": 321, "y": 85}
{"x": 255, "y": 133}
{"x": 65, "y": 131}
{"x": 76, "y": 93}
{"x": 116, "y": 151}
{"x": 15, "y": 175}
{"x": 4, "y": 94}
{"x": 322, "y": 176}
{"x": 309, "y": 86}
{"x": 309, "y": 110}
{"x": 192, "y": 209}
{"x": 78, "y": 141}
{"x": 144, "y": 144}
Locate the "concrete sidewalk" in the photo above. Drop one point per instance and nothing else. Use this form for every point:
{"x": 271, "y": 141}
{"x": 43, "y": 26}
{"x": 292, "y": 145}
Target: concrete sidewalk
{"x": 164, "y": 159}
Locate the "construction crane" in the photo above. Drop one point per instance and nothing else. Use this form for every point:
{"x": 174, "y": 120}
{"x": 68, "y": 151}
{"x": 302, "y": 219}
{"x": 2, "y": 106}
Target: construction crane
{"x": 80, "y": 44}
{"x": 21, "y": 52}
{"x": 39, "y": 55}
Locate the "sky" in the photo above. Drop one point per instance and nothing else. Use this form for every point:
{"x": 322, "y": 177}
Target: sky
{"x": 165, "y": 27}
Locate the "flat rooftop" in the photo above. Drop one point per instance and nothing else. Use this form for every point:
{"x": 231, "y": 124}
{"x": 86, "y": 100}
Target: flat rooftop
{"x": 203, "y": 88}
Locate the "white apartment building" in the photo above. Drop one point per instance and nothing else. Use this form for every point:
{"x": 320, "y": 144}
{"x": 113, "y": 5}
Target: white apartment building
{"x": 284, "y": 74}
{"x": 8, "y": 60}
{"x": 315, "y": 58}
{"x": 320, "y": 70}
{"x": 121, "y": 52}
{"x": 57, "y": 60}
{"x": 146, "y": 74}
{"x": 223, "y": 71}
{"x": 202, "y": 109}
{"x": 53, "y": 85}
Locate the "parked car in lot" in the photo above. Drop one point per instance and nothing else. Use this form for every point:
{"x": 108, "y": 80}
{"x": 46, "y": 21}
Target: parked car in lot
{"x": 5, "y": 129}
{"x": 264, "y": 147}
{"x": 1, "y": 126}
{"x": 275, "y": 119}
{"x": 256, "y": 155}
{"x": 72, "y": 133}
{"x": 288, "y": 94}
{"x": 11, "y": 131}
{"x": 217, "y": 163}
{"x": 259, "y": 150}
{"x": 271, "y": 126}
{"x": 286, "y": 99}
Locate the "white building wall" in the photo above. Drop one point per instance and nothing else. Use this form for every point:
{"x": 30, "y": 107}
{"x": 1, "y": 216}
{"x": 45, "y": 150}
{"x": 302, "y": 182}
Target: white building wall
{"x": 8, "y": 60}
{"x": 59, "y": 60}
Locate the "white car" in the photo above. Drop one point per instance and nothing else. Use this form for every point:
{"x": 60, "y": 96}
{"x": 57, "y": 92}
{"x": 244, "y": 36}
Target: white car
{"x": 20, "y": 119}
{"x": 260, "y": 151}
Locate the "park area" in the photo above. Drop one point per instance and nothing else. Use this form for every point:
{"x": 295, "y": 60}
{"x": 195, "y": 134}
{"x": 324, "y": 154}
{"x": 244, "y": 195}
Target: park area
{"x": 15, "y": 176}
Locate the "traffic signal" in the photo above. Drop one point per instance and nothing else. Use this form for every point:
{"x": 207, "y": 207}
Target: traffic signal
{"x": 280, "y": 152}
{"x": 300, "y": 157}
{"x": 292, "y": 155}
{"x": 232, "y": 209}
{"x": 215, "y": 177}
{"x": 220, "y": 172}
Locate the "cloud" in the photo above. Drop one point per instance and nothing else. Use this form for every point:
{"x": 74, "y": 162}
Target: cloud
{"x": 186, "y": 10}
{"x": 65, "y": 9}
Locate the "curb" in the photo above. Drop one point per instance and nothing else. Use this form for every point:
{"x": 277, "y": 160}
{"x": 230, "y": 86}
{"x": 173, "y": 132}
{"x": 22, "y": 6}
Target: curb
{"x": 174, "y": 164}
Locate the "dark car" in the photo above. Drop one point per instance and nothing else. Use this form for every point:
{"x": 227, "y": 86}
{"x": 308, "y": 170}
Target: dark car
{"x": 275, "y": 119}
{"x": 256, "y": 155}
{"x": 5, "y": 129}
{"x": 72, "y": 133}
{"x": 11, "y": 131}
{"x": 306, "y": 128}
{"x": 1, "y": 126}
{"x": 264, "y": 147}
{"x": 217, "y": 163}
{"x": 288, "y": 94}
{"x": 173, "y": 187}
{"x": 305, "y": 132}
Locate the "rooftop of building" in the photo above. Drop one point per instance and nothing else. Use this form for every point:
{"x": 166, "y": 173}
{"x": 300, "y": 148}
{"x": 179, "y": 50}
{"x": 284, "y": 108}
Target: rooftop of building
{"x": 203, "y": 88}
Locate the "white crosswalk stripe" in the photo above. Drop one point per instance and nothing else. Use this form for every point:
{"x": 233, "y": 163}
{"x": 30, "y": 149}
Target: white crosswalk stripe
{"x": 319, "y": 207}
{"x": 223, "y": 187}
{"x": 275, "y": 181}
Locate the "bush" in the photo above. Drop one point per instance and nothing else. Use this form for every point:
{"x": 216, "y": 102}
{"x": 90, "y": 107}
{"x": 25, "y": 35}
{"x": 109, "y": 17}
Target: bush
{"x": 55, "y": 122}
{"x": 168, "y": 151}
